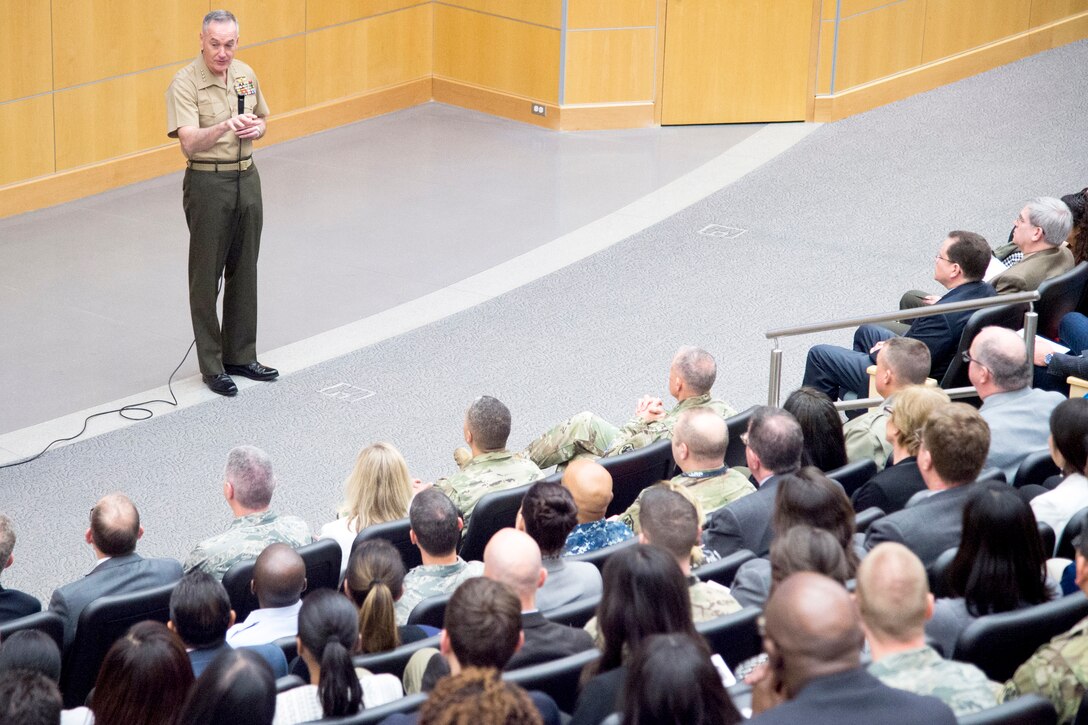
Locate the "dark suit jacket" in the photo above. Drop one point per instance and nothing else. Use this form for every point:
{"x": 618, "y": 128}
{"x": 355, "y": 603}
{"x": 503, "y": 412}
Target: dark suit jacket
{"x": 927, "y": 528}
{"x": 119, "y": 575}
{"x": 853, "y": 697}
{"x": 941, "y": 333}
{"x": 890, "y": 489}
{"x": 602, "y": 696}
{"x": 745, "y": 523}
{"x": 15, "y": 604}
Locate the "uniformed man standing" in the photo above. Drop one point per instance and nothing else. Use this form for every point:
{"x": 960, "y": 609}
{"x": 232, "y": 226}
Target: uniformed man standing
{"x": 216, "y": 109}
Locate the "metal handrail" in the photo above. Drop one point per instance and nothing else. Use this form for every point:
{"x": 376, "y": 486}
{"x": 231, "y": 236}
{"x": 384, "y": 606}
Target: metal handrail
{"x": 1031, "y": 321}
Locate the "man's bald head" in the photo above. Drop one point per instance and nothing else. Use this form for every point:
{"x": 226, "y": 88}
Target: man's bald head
{"x": 590, "y": 485}
{"x": 115, "y": 525}
{"x": 893, "y": 593}
{"x": 704, "y": 434}
{"x": 1003, "y": 357}
{"x": 513, "y": 558}
{"x": 279, "y": 576}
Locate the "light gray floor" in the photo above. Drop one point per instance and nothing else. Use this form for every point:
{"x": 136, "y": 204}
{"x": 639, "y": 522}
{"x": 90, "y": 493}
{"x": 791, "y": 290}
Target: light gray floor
{"x": 357, "y": 220}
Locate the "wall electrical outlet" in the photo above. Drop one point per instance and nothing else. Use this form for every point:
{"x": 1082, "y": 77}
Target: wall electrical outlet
{"x": 539, "y": 110}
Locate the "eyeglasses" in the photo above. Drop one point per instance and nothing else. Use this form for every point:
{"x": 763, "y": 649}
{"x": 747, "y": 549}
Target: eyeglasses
{"x": 966, "y": 357}
{"x": 945, "y": 259}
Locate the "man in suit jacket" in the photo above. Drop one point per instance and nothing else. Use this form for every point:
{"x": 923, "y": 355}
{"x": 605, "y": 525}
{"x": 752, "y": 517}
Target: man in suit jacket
{"x": 773, "y": 447}
{"x": 13, "y": 603}
{"x": 955, "y": 441}
{"x": 813, "y": 638}
{"x": 112, "y": 534}
{"x": 1038, "y": 232}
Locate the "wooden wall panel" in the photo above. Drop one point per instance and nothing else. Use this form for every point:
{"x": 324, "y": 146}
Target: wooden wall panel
{"x": 541, "y": 12}
{"x": 281, "y": 69}
{"x": 368, "y": 54}
{"x": 880, "y": 42}
{"x": 610, "y": 66}
{"x": 853, "y": 7}
{"x": 111, "y": 118}
{"x": 492, "y": 52}
{"x": 323, "y": 13}
{"x": 262, "y": 20}
{"x": 826, "y": 58}
{"x": 24, "y": 29}
{"x": 26, "y": 136}
{"x": 1047, "y": 11}
{"x": 614, "y": 14}
{"x": 953, "y": 26}
{"x": 96, "y": 39}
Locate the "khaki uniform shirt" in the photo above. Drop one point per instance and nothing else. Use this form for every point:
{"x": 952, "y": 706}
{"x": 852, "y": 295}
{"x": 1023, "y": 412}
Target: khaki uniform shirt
{"x": 866, "y": 437}
{"x": 487, "y": 472}
{"x": 639, "y": 434}
{"x": 196, "y": 97}
{"x": 712, "y": 492}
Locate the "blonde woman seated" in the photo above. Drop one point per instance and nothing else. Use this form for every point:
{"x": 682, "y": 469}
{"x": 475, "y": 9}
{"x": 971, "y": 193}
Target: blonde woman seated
{"x": 378, "y": 490}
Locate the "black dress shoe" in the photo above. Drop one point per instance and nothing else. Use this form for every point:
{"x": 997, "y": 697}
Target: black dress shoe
{"x": 253, "y": 371}
{"x": 221, "y": 384}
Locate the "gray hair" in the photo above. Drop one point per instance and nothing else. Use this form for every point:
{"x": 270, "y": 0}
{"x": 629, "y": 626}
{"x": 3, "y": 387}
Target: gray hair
{"x": 249, "y": 469}
{"x": 219, "y": 16}
{"x": 697, "y": 367}
{"x": 1052, "y": 216}
{"x": 775, "y": 436}
{"x": 704, "y": 433}
{"x": 489, "y": 422}
{"x": 1003, "y": 353}
{"x": 7, "y": 540}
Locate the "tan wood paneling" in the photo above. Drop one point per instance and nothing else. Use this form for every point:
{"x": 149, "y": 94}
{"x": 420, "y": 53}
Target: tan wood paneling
{"x": 111, "y": 118}
{"x": 826, "y": 58}
{"x": 738, "y": 60}
{"x": 610, "y": 66}
{"x": 281, "y": 69}
{"x": 1047, "y": 11}
{"x": 491, "y": 52}
{"x": 599, "y": 118}
{"x": 495, "y": 103}
{"x": 26, "y": 135}
{"x": 953, "y": 26}
{"x": 853, "y": 7}
{"x": 541, "y": 12}
{"x": 879, "y": 43}
{"x": 611, "y": 13}
{"x": 96, "y": 39}
{"x": 381, "y": 51}
{"x": 24, "y": 45}
{"x": 323, "y": 13}
{"x": 264, "y": 20}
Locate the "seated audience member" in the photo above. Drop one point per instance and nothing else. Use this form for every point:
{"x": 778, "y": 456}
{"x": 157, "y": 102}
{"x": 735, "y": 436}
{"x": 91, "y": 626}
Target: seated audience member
{"x": 112, "y": 535}
{"x": 236, "y": 689}
{"x": 279, "y": 578}
{"x": 328, "y": 630}
{"x": 645, "y": 593}
{"x": 954, "y": 444}
{"x": 894, "y": 601}
{"x": 144, "y": 678}
{"x": 960, "y": 265}
{"x": 548, "y": 514}
{"x": 1078, "y": 235}
{"x": 699, "y": 441}
{"x": 374, "y": 581}
{"x": 1069, "y": 449}
{"x": 1053, "y": 368}
{"x": 1057, "y": 669}
{"x": 378, "y": 490}
{"x": 890, "y": 489}
{"x": 436, "y": 529}
{"x": 29, "y": 698}
{"x": 200, "y": 615}
{"x": 248, "y": 484}
{"x": 590, "y": 485}
{"x": 671, "y": 680}
{"x": 691, "y": 375}
{"x": 821, "y": 428}
{"x": 1000, "y": 565}
{"x": 482, "y": 632}
{"x": 900, "y": 362}
{"x": 813, "y": 638}
{"x": 1038, "y": 232}
{"x": 486, "y": 466}
{"x": 30, "y": 649}
{"x": 13, "y": 603}
{"x": 773, "y": 448}
{"x": 1017, "y": 414}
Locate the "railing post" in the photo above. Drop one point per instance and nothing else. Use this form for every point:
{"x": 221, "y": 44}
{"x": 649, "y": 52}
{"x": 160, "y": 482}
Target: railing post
{"x": 1031, "y": 326}
{"x": 774, "y": 389}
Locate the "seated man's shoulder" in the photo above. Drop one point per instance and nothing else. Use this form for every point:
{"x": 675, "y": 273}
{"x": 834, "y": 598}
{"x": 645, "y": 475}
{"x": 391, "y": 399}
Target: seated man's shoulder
{"x": 710, "y": 599}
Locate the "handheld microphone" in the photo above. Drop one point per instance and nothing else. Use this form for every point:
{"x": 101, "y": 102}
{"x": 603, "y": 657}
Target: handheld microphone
{"x": 241, "y": 104}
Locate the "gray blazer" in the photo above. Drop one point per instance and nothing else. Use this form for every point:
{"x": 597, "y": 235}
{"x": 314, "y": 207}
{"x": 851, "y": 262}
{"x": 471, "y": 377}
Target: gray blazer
{"x": 118, "y": 575}
{"x": 568, "y": 581}
{"x": 745, "y": 523}
{"x": 1019, "y": 424}
{"x": 927, "y": 528}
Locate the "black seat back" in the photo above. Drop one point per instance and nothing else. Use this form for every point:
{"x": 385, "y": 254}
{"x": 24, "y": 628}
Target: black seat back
{"x": 1035, "y": 468}
{"x": 635, "y": 470}
{"x": 288, "y": 682}
{"x": 1009, "y": 315}
{"x": 737, "y": 426}
{"x": 1047, "y": 538}
{"x": 734, "y": 636}
{"x": 1058, "y": 296}
{"x": 867, "y": 518}
{"x": 48, "y": 622}
{"x": 372, "y": 715}
{"x": 431, "y": 611}
{"x": 494, "y": 511}
{"x": 322, "y": 559}
{"x": 723, "y": 570}
{"x": 575, "y": 614}
{"x": 1025, "y": 710}
{"x": 558, "y": 678}
{"x": 393, "y": 661}
{"x": 854, "y": 475}
{"x": 938, "y": 573}
{"x": 598, "y": 557}
{"x": 1072, "y": 528}
{"x": 396, "y": 533}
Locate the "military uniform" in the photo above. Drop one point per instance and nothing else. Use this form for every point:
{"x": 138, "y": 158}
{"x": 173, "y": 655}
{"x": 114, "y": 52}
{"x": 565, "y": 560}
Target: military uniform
{"x": 722, "y": 486}
{"x": 708, "y": 600}
{"x": 961, "y": 686}
{"x": 482, "y": 474}
{"x": 866, "y": 437}
{"x": 1057, "y": 671}
{"x": 594, "y": 535}
{"x": 222, "y": 201}
{"x": 246, "y": 538}
{"x": 587, "y": 434}
{"x": 429, "y": 581}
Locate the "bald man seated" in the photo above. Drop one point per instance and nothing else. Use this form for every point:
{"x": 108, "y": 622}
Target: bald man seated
{"x": 590, "y": 485}
{"x": 812, "y": 636}
{"x": 894, "y": 600}
{"x": 279, "y": 578}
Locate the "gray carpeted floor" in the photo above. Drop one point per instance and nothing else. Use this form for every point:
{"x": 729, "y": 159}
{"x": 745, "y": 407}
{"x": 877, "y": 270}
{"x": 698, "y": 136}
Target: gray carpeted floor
{"x": 838, "y": 225}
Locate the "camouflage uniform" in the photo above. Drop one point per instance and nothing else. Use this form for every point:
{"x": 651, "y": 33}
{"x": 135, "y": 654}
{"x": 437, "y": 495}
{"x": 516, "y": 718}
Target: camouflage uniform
{"x": 595, "y": 535}
{"x": 482, "y": 474}
{"x": 708, "y": 600}
{"x": 587, "y": 434}
{"x": 429, "y": 581}
{"x": 866, "y": 437}
{"x": 1058, "y": 671}
{"x": 961, "y": 686}
{"x": 245, "y": 538}
{"x": 712, "y": 492}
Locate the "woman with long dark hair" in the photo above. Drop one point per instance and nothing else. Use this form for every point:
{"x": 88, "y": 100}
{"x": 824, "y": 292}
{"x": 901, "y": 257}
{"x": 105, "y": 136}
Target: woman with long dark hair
{"x": 821, "y": 426}
{"x": 671, "y": 680}
{"x": 237, "y": 688}
{"x": 144, "y": 678}
{"x": 1069, "y": 449}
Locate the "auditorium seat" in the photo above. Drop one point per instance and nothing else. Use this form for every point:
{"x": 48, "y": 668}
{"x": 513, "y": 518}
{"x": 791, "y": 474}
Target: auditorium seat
{"x": 723, "y": 570}
{"x": 393, "y": 661}
{"x": 48, "y": 622}
{"x": 1009, "y": 315}
{"x": 558, "y": 678}
{"x": 1058, "y": 296}
{"x": 372, "y": 715}
{"x": 575, "y": 614}
{"x": 396, "y": 533}
{"x": 867, "y": 518}
{"x": 1047, "y": 538}
{"x": 733, "y": 636}
{"x": 737, "y": 426}
{"x": 1035, "y": 468}
{"x": 1075, "y": 525}
{"x": 938, "y": 573}
{"x": 288, "y": 682}
{"x": 1024, "y": 710}
{"x": 992, "y": 474}
{"x": 289, "y": 646}
{"x": 635, "y": 470}
{"x": 494, "y": 511}
{"x": 599, "y": 556}
{"x": 854, "y": 475}
{"x": 431, "y": 611}
{"x": 322, "y": 559}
